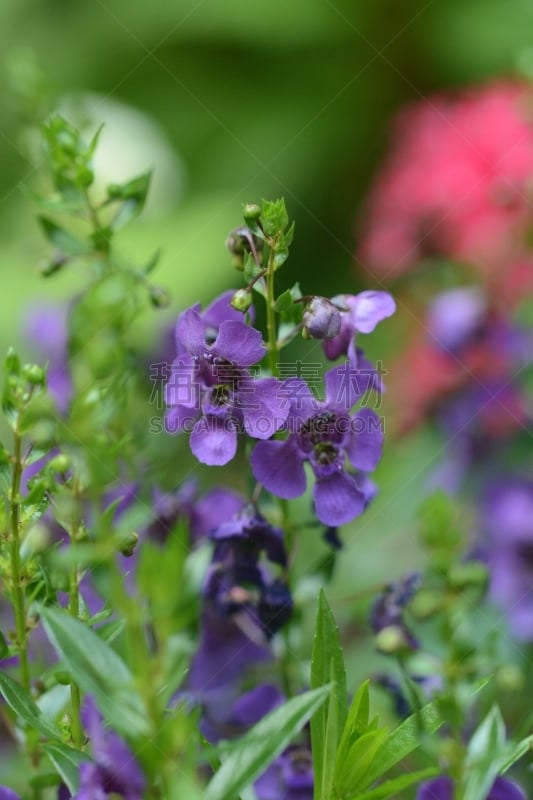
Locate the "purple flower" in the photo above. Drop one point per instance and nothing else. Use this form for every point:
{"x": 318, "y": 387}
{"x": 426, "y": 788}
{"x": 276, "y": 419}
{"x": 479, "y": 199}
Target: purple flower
{"x": 388, "y": 610}
{"x": 115, "y": 770}
{"x": 8, "y": 794}
{"x": 324, "y": 435}
{"x": 455, "y": 317}
{"x": 211, "y": 380}
{"x": 46, "y": 330}
{"x": 443, "y": 789}
{"x": 203, "y": 514}
{"x": 321, "y": 319}
{"x": 243, "y": 607}
{"x": 360, "y": 313}
{"x": 289, "y": 777}
{"x": 226, "y": 720}
{"x": 507, "y": 525}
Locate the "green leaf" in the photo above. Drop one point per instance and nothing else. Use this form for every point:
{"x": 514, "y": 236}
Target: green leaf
{"x": 98, "y": 670}
{"x": 62, "y": 239}
{"x": 352, "y": 774}
{"x": 24, "y": 706}
{"x": 4, "y": 649}
{"x": 274, "y": 216}
{"x": 389, "y": 790}
{"x": 263, "y": 744}
{"x": 327, "y": 665}
{"x": 482, "y": 762}
{"x": 515, "y": 751}
{"x": 133, "y": 195}
{"x": 66, "y": 761}
{"x": 356, "y": 722}
{"x": 406, "y": 738}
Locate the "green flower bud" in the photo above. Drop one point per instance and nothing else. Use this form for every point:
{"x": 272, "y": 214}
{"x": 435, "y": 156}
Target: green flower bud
{"x": 128, "y": 543}
{"x": 510, "y": 678}
{"x": 472, "y": 575}
{"x": 425, "y": 604}
{"x": 251, "y": 212}
{"x": 34, "y": 374}
{"x": 391, "y": 640}
{"x": 159, "y": 297}
{"x": 241, "y": 300}
{"x": 60, "y": 463}
{"x": 62, "y": 677}
{"x": 56, "y": 262}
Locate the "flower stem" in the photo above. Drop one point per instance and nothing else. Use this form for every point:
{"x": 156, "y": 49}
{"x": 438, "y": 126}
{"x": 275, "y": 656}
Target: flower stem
{"x": 75, "y": 694}
{"x": 18, "y": 598}
{"x": 273, "y": 353}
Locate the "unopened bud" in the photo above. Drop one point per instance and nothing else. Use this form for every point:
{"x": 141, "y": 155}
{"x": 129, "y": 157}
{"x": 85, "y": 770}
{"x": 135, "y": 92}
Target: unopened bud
{"x": 251, "y": 212}
{"x": 425, "y": 604}
{"x": 159, "y": 297}
{"x": 128, "y": 543}
{"x": 472, "y": 575}
{"x": 34, "y": 374}
{"x": 241, "y": 241}
{"x": 391, "y": 640}
{"x": 52, "y": 266}
{"x": 60, "y": 463}
{"x": 241, "y": 300}
{"x": 322, "y": 320}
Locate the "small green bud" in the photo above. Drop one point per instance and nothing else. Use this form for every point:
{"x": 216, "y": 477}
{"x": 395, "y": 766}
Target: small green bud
{"x": 159, "y": 297}
{"x": 510, "y": 678}
{"x": 60, "y": 463}
{"x": 56, "y": 262}
{"x": 34, "y": 374}
{"x": 62, "y": 677}
{"x": 12, "y": 363}
{"x": 425, "y": 604}
{"x": 241, "y": 300}
{"x": 128, "y": 543}
{"x": 391, "y": 640}
{"x": 472, "y": 575}
{"x": 85, "y": 176}
{"x": 251, "y": 212}
{"x": 237, "y": 261}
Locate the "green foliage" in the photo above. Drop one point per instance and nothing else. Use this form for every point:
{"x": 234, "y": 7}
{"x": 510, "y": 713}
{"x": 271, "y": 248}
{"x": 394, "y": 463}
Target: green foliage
{"x": 98, "y": 670}
{"x": 262, "y": 744}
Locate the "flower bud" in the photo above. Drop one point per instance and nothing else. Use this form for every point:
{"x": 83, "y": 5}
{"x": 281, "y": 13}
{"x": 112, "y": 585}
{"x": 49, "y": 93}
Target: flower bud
{"x": 241, "y": 300}
{"x": 241, "y": 241}
{"x": 60, "y": 463}
{"x": 322, "y": 320}
{"x": 58, "y": 260}
{"x": 251, "y": 212}
{"x": 392, "y": 640}
{"x": 472, "y": 575}
{"x": 128, "y": 543}
{"x": 34, "y": 374}
{"x": 159, "y": 297}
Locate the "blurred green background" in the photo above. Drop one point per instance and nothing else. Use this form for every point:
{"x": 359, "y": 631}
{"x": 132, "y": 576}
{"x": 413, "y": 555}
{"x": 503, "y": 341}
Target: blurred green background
{"x": 232, "y": 101}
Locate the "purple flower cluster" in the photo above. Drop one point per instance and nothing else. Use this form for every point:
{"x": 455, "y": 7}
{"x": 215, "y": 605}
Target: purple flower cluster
{"x": 244, "y": 605}
{"x": 325, "y": 436}
{"x": 443, "y": 789}
{"x": 213, "y": 392}
{"x": 211, "y": 382}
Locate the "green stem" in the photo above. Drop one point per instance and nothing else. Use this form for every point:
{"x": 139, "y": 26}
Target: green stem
{"x": 18, "y": 599}
{"x": 75, "y": 694}
{"x": 273, "y": 353}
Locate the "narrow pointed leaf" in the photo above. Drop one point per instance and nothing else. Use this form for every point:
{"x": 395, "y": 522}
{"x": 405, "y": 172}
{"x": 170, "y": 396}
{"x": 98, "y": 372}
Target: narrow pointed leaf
{"x": 263, "y": 744}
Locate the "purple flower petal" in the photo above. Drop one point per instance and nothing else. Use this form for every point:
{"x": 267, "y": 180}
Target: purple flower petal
{"x": 220, "y": 311}
{"x": 215, "y": 507}
{"x": 179, "y": 419}
{"x": 8, "y": 794}
{"x": 339, "y": 345}
{"x": 344, "y": 386}
{"x": 214, "y": 441}
{"x": 182, "y": 387}
{"x": 503, "y": 789}
{"x": 279, "y": 467}
{"x": 263, "y": 405}
{"x": 370, "y": 308}
{"x": 338, "y": 499}
{"x": 190, "y": 332}
{"x": 365, "y": 442}
{"x": 239, "y": 343}
{"x": 437, "y": 789}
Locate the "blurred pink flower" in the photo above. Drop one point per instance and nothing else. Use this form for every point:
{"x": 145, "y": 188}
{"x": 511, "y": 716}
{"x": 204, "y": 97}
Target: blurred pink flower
{"x": 456, "y": 183}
